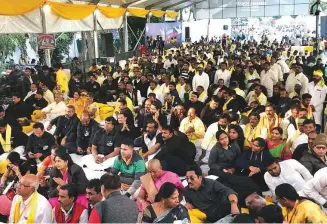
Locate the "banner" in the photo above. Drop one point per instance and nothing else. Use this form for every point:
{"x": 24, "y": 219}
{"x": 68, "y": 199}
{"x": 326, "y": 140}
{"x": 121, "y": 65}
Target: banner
{"x": 46, "y": 41}
{"x": 170, "y": 32}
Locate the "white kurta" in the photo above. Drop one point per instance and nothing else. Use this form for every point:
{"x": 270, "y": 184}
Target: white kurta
{"x": 269, "y": 79}
{"x": 43, "y": 212}
{"x": 158, "y": 93}
{"x": 316, "y": 188}
{"x": 292, "y": 172}
{"x": 225, "y": 75}
{"x": 293, "y": 79}
{"x": 201, "y": 80}
{"x": 318, "y": 94}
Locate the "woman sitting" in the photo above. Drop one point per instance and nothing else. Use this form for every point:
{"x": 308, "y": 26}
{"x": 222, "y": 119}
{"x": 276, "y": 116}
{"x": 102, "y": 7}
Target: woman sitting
{"x": 167, "y": 208}
{"x": 16, "y": 169}
{"x": 223, "y": 155}
{"x": 236, "y": 135}
{"x": 252, "y": 162}
{"x": 78, "y": 103}
{"x": 276, "y": 144}
{"x": 298, "y": 209}
{"x": 66, "y": 172}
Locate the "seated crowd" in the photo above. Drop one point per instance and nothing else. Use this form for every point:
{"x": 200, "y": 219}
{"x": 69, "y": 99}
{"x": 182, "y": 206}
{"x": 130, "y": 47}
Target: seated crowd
{"x": 228, "y": 131}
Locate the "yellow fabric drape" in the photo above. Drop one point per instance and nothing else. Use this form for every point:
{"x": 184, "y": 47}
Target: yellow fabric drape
{"x": 72, "y": 11}
{"x": 138, "y": 12}
{"x": 158, "y": 13}
{"x": 19, "y": 7}
{"x": 6, "y": 143}
{"x": 111, "y": 12}
{"x": 172, "y": 15}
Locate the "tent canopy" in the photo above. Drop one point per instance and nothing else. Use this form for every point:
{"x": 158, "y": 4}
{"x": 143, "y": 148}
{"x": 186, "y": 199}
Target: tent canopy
{"x": 46, "y": 16}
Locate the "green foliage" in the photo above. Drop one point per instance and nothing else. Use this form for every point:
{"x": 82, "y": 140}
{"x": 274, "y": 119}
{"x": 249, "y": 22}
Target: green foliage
{"x": 154, "y": 19}
{"x": 63, "y": 40}
{"x": 9, "y": 43}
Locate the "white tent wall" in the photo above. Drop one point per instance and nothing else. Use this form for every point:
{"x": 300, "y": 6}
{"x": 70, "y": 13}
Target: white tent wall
{"x": 28, "y": 23}
{"x": 32, "y": 23}
{"x": 200, "y": 28}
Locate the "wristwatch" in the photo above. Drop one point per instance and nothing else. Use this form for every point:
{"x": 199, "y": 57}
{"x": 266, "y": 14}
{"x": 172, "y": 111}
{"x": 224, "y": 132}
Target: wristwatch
{"x": 232, "y": 201}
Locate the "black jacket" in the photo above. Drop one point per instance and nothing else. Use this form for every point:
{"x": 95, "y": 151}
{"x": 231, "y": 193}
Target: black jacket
{"x": 67, "y": 127}
{"x": 86, "y": 133}
{"x": 76, "y": 176}
{"x": 19, "y": 110}
{"x": 18, "y": 138}
{"x": 41, "y": 144}
{"x": 312, "y": 162}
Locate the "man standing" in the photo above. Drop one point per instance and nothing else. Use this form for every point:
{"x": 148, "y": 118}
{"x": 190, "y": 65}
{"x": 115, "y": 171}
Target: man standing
{"x": 68, "y": 210}
{"x": 297, "y": 77}
{"x": 61, "y": 78}
{"x": 194, "y": 129}
{"x": 28, "y": 206}
{"x": 209, "y": 196}
{"x": 223, "y": 73}
{"x": 318, "y": 91}
{"x": 269, "y": 78}
{"x": 200, "y": 79}
{"x": 116, "y": 208}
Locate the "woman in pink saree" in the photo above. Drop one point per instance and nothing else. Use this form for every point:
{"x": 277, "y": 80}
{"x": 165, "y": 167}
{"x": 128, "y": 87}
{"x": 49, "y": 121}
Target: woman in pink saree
{"x": 152, "y": 182}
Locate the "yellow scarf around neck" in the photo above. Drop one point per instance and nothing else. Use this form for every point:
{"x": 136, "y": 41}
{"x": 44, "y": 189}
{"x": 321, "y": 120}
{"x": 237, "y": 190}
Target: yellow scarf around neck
{"x": 251, "y": 134}
{"x": 6, "y": 144}
{"x": 264, "y": 122}
{"x": 31, "y": 215}
{"x": 202, "y": 96}
{"x": 227, "y": 102}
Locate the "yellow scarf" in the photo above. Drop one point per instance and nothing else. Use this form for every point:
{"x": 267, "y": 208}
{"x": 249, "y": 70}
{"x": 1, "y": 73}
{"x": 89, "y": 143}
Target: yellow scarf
{"x": 227, "y": 102}
{"x": 251, "y": 133}
{"x": 202, "y": 96}
{"x": 172, "y": 103}
{"x": 264, "y": 122}
{"x": 6, "y": 145}
{"x": 321, "y": 82}
{"x": 31, "y": 215}
{"x": 309, "y": 110}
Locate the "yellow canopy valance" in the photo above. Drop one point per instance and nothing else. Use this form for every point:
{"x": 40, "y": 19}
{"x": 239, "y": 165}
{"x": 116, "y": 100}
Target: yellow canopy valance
{"x": 172, "y": 15}
{"x": 72, "y": 11}
{"x": 138, "y": 12}
{"x": 19, "y": 7}
{"x": 158, "y": 13}
{"x": 111, "y": 12}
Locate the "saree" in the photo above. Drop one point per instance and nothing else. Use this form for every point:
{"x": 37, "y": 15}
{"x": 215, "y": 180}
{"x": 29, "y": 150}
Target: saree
{"x": 179, "y": 213}
{"x": 276, "y": 149}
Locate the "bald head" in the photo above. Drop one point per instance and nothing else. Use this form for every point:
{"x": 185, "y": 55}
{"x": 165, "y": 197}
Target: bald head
{"x": 154, "y": 163}
{"x": 155, "y": 169}
{"x": 30, "y": 180}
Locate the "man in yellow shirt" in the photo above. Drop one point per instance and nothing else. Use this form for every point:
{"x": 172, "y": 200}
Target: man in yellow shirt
{"x": 61, "y": 78}
{"x": 194, "y": 128}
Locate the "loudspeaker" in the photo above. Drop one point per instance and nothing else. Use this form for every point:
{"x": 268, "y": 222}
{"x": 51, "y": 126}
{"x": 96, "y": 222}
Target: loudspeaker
{"x": 107, "y": 45}
{"x": 225, "y": 27}
{"x": 187, "y": 33}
